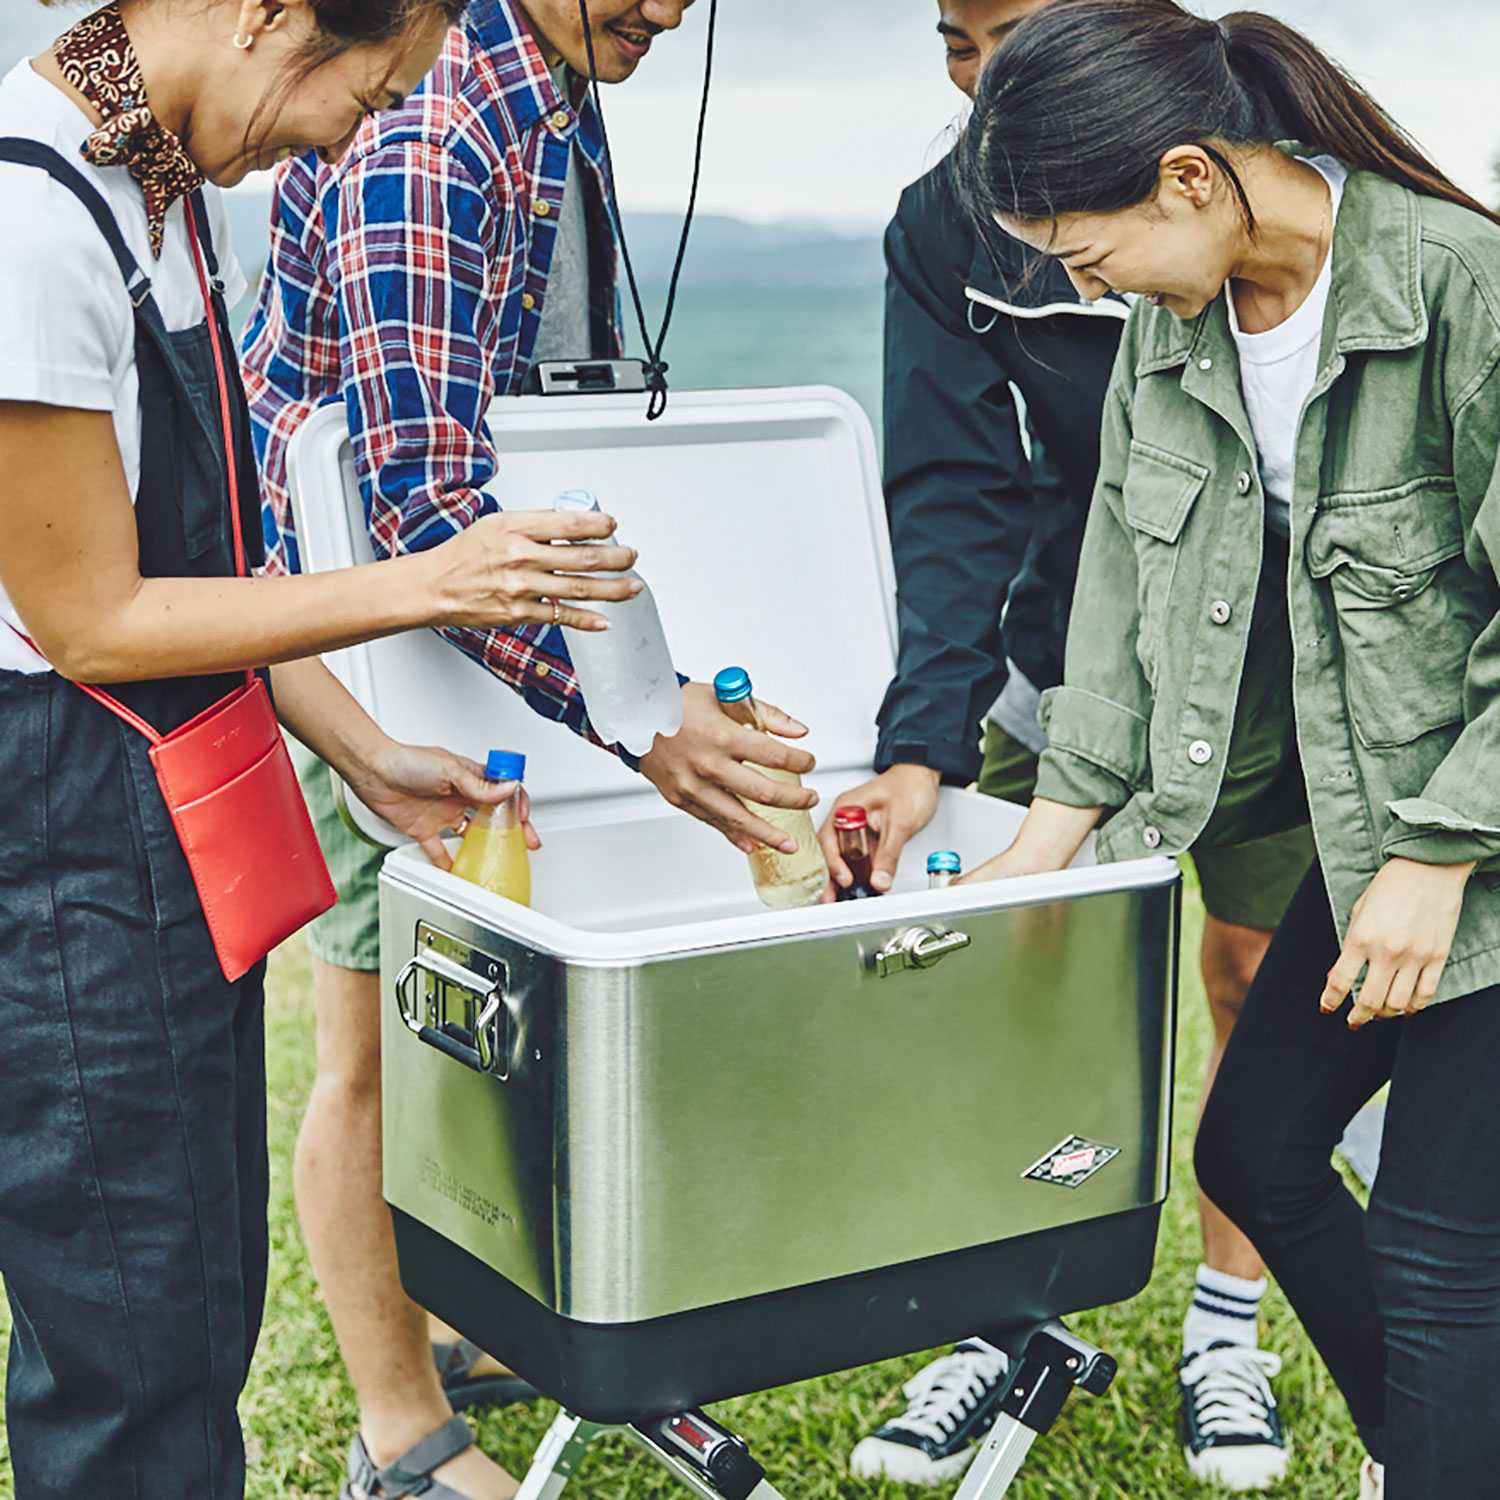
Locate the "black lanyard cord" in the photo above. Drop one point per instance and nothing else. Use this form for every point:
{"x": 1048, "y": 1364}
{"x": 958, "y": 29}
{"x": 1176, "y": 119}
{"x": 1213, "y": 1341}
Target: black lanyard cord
{"x": 656, "y": 366}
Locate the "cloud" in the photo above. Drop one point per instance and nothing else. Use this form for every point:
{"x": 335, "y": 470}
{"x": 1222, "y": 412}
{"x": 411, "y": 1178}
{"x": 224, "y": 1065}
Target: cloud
{"x": 825, "y": 109}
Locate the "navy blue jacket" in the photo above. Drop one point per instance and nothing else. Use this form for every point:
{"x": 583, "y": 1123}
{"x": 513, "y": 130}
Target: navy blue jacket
{"x": 978, "y": 530}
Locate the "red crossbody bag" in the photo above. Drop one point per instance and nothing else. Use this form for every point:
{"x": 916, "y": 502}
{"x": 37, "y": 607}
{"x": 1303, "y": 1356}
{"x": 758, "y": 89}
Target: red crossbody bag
{"x": 228, "y": 782}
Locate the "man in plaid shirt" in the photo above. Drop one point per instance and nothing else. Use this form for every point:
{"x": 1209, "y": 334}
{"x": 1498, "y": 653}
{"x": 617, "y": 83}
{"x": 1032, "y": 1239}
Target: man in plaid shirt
{"x": 461, "y": 238}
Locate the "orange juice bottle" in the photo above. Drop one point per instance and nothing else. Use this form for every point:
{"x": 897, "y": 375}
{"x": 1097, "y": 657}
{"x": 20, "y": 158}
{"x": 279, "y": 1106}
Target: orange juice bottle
{"x": 494, "y": 853}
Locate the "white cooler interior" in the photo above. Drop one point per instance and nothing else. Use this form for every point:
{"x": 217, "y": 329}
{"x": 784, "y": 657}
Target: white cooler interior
{"x": 761, "y": 524}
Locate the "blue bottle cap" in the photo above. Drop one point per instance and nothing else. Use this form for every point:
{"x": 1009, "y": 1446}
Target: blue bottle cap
{"x": 944, "y": 862}
{"x": 732, "y": 685}
{"x": 576, "y": 500}
{"x": 505, "y": 765}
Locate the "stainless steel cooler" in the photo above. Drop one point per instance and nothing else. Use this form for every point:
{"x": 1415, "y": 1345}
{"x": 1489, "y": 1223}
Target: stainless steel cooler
{"x": 653, "y": 1145}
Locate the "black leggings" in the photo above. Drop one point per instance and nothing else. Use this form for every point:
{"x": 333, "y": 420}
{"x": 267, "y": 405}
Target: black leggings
{"x": 1403, "y": 1302}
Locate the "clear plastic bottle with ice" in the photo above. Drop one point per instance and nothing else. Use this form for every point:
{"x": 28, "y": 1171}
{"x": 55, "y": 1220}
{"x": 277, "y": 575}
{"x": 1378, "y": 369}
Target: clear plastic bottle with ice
{"x": 625, "y": 673}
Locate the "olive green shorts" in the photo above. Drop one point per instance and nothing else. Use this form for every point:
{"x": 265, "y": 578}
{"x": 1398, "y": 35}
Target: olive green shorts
{"x": 1245, "y": 885}
{"x": 349, "y": 935}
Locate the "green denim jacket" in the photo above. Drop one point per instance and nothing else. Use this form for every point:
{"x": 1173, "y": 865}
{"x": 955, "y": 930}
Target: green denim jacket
{"x": 1391, "y": 582}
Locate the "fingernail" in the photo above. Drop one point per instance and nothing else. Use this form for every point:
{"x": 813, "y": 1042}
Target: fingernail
{"x": 880, "y": 880}
{"x": 798, "y": 724}
{"x": 788, "y": 846}
{"x": 745, "y": 846}
{"x": 636, "y": 585}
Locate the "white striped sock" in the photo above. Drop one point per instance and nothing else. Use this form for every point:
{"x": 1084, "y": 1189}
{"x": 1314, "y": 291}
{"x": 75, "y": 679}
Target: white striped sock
{"x": 1225, "y": 1310}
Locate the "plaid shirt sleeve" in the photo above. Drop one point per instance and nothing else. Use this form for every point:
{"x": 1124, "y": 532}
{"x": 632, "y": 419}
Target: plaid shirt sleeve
{"x": 415, "y": 254}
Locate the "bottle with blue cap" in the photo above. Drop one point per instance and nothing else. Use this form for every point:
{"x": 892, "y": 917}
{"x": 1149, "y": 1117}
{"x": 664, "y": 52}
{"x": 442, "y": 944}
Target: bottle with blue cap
{"x": 625, "y": 673}
{"x": 943, "y": 868}
{"x": 782, "y": 881}
{"x": 494, "y": 853}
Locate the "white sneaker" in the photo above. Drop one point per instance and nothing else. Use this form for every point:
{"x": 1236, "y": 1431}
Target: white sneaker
{"x": 953, "y": 1403}
{"x": 1231, "y": 1431}
{"x": 1371, "y": 1480}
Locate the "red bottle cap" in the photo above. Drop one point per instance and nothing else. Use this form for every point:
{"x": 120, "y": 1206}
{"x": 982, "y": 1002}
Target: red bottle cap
{"x": 851, "y": 817}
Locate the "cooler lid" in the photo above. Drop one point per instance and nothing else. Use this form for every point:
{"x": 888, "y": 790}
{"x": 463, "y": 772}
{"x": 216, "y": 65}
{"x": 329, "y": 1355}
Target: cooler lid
{"x": 760, "y": 521}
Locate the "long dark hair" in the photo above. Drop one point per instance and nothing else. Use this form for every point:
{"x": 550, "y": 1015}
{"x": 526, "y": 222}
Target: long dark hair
{"x": 1078, "y": 106}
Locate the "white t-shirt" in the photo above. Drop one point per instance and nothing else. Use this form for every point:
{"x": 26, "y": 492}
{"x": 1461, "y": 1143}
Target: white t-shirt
{"x": 67, "y": 331}
{"x": 1278, "y": 369}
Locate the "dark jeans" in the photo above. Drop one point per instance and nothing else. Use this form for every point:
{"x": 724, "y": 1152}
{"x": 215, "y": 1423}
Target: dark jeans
{"x": 1403, "y": 1303}
{"x": 132, "y": 1116}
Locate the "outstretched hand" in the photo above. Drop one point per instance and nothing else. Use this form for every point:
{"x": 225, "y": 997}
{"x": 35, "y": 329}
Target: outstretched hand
{"x": 425, "y": 792}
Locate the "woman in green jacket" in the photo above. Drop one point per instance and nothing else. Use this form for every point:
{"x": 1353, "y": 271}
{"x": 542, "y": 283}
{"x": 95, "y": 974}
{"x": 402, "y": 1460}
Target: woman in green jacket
{"x": 1287, "y": 604}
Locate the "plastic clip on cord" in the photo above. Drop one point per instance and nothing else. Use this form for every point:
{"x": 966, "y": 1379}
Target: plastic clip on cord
{"x": 656, "y": 366}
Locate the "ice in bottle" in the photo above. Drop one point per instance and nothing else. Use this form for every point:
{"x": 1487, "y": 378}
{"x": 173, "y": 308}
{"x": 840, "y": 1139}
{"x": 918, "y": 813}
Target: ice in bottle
{"x": 943, "y": 868}
{"x": 494, "y": 853}
{"x": 625, "y": 673}
{"x": 857, "y": 849}
{"x": 782, "y": 881}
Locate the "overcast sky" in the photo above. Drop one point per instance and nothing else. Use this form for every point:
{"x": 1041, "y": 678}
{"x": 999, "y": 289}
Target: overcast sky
{"x": 824, "y": 109}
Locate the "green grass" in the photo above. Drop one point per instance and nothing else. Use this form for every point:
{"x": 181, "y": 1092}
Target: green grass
{"x": 298, "y": 1411}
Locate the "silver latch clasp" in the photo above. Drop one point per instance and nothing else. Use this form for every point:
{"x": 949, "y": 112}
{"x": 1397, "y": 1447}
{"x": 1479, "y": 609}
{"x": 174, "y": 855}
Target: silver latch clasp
{"x": 918, "y": 948}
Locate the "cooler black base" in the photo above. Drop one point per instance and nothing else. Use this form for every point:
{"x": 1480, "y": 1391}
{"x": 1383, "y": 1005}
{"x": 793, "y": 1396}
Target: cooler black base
{"x": 627, "y": 1372}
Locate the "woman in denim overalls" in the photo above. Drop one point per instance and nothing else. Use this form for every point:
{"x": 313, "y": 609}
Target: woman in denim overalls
{"x": 133, "y": 1179}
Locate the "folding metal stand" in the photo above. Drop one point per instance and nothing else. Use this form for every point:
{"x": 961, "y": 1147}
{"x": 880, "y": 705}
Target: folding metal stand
{"x": 714, "y": 1464}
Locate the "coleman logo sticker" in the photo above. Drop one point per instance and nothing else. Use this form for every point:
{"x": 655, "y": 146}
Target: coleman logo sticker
{"x": 1071, "y": 1163}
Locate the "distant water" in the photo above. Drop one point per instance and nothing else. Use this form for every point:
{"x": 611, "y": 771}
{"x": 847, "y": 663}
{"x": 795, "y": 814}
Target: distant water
{"x": 728, "y": 337}
{"x": 776, "y": 336}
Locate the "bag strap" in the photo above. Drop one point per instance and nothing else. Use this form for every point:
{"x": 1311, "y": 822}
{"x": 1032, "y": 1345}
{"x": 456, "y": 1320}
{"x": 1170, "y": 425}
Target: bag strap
{"x": 226, "y": 417}
{"x": 27, "y": 153}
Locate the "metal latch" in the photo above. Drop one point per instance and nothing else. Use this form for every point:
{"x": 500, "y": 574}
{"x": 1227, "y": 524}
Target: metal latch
{"x": 918, "y": 948}
{"x": 452, "y": 996}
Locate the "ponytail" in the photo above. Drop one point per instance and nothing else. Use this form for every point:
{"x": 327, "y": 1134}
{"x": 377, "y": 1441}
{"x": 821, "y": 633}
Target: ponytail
{"x": 1077, "y": 108}
{"x": 1319, "y": 104}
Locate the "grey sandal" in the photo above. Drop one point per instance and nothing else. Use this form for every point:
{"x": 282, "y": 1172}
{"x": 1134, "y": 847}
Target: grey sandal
{"x": 464, "y": 1389}
{"x": 411, "y": 1474}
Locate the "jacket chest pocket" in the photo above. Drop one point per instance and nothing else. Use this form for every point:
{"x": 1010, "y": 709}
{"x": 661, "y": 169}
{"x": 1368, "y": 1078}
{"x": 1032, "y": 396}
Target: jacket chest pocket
{"x": 1159, "y": 493}
{"x": 1408, "y": 607}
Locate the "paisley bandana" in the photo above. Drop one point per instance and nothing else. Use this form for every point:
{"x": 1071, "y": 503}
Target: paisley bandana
{"x": 96, "y": 57}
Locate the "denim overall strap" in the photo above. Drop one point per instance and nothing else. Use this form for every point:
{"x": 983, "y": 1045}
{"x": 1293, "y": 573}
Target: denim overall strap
{"x": 181, "y": 497}
{"x": 24, "y": 153}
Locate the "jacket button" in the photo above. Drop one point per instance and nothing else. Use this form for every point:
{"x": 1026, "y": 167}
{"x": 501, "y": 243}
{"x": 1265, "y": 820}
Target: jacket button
{"x": 1151, "y": 838}
{"x": 542, "y": 208}
{"x": 1205, "y": 364}
{"x": 1220, "y": 612}
{"x": 1200, "y": 752}
{"x": 561, "y": 120}
{"x": 528, "y": 301}
{"x": 1243, "y": 482}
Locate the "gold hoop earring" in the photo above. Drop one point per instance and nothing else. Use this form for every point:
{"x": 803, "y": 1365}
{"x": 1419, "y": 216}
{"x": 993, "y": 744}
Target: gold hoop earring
{"x": 243, "y": 42}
